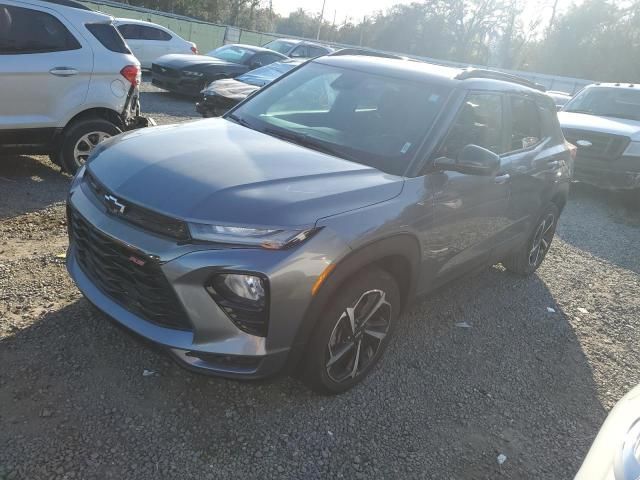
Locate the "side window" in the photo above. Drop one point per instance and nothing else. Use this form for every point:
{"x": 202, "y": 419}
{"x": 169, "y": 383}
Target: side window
{"x": 300, "y": 52}
{"x": 525, "y": 123}
{"x": 23, "y": 31}
{"x": 150, "y": 33}
{"x": 316, "y": 52}
{"x": 262, "y": 59}
{"x": 479, "y": 122}
{"x": 130, "y": 31}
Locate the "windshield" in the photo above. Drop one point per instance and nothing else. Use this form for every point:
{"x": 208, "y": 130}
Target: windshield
{"x": 231, "y": 53}
{"x": 370, "y": 119}
{"x": 607, "y": 102}
{"x": 263, "y": 75}
{"x": 280, "y": 46}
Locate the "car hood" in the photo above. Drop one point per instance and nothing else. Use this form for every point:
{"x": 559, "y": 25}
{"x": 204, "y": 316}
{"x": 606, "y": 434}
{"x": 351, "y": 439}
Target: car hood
{"x": 216, "y": 171}
{"x": 230, "y": 88}
{"x": 176, "y": 61}
{"x": 617, "y": 126}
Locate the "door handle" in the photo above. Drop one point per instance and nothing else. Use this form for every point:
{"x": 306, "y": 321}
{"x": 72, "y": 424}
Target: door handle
{"x": 502, "y": 178}
{"x": 63, "y": 71}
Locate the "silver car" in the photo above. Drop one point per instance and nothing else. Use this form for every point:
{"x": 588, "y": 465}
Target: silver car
{"x": 289, "y": 234}
{"x": 68, "y": 80}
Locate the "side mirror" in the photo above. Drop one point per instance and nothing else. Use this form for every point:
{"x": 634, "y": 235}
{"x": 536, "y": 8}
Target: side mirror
{"x": 472, "y": 160}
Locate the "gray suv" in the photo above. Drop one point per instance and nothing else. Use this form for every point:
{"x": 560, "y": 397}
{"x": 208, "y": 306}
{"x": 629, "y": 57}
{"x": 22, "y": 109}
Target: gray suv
{"x": 289, "y": 235}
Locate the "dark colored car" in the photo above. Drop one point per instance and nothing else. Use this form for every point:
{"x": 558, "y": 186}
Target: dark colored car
{"x": 295, "y": 48}
{"x": 223, "y": 94}
{"x": 189, "y": 74}
{"x": 561, "y": 98}
{"x": 603, "y": 121}
{"x": 289, "y": 234}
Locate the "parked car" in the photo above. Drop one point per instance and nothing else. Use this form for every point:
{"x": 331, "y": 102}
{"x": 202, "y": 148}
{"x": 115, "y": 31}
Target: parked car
{"x": 223, "y": 94}
{"x": 603, "y": 120}
{"x": 190, "y": 74}
{"x": 148, "y": 41}
{"x": 615, "y": 453}
{"x": 298, "y": 48}
{"x": 290, "y": 233}
{"x": 561, "y": 98}
{"x": 68, "y": 80}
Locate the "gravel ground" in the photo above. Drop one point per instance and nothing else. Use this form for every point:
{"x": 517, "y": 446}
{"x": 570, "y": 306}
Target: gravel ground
{"x": 445, "y": 402}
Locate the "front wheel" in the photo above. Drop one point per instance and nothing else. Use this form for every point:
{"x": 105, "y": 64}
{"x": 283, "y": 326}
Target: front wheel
{"x": 529, "y": 257}
{"x": 353, "y": 332}
{"x": 80, "y": 139}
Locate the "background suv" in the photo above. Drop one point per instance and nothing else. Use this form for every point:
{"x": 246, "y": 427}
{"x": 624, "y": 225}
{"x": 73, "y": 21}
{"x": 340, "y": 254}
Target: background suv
{"x": 294, "y": 48}
{"x": 290, "y": 233}
{"x": 68, "y": 80}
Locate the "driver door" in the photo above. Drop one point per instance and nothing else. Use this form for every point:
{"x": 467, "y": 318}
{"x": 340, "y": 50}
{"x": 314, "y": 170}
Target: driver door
{"x": 470, "y": 211}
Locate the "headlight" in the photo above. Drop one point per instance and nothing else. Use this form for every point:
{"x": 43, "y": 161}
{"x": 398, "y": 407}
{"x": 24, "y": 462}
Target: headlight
{"x": 189, "y": 73}
{"x": 633, "y": 150}
{"x": 240, "y": 288}
{"x": 274, "y": 239}
{"x": 244, "y": 298}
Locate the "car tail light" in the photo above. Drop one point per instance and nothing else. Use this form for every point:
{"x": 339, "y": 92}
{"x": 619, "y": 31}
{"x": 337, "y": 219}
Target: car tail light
{"x": 194, "y": 49}
{"x": 573, "y": 150}
{"x": 132, "y": 74}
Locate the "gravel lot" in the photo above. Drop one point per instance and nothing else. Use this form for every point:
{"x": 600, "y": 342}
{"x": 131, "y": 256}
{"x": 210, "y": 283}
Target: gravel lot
{"x": 444, "y": 403}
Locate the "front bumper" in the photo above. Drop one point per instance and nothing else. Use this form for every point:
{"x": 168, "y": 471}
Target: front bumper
{"x": 620, "y": 174}
{"x": 212, "y": 343}
{"x": 214, "y": 105}
{"x": 177, "y": 83}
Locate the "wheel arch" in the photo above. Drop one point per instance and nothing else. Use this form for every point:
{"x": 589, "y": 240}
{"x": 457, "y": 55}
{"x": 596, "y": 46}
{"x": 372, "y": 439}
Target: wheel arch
{"x": 398, "y": 255}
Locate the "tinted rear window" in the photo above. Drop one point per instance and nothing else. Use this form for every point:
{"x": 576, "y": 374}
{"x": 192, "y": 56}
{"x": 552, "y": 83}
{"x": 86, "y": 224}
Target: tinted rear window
{"x": 109, "y": 37}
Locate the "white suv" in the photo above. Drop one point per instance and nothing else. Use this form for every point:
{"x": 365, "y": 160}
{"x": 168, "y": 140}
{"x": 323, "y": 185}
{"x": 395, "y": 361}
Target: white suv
{"x": 68, "y": 80}
{"x": 149, "y": 41}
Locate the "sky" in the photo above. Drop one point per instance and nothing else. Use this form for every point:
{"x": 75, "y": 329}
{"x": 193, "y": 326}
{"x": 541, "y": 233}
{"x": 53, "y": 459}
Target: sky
{"x": 357, "y": 9}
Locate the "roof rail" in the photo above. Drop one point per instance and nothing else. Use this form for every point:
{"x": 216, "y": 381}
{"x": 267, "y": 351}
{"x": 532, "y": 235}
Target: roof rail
{"x": 69, "y": 3}
{"x": 497, "y": 75}
{"x": 364, "y": 51}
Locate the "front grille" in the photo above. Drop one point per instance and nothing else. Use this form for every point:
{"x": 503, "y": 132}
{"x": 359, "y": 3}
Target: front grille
{"x": 166, "y": 71}
{"x": 604, "y": 146}
{"x": 142, "y": 217}
{"x": 132, "y": 279}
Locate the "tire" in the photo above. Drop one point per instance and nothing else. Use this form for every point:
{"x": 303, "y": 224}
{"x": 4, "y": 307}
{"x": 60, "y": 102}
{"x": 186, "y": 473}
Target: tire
{"x": 83, "y": 135}
{"x": 529, "y": 257}
{"x": 370, "y": 288}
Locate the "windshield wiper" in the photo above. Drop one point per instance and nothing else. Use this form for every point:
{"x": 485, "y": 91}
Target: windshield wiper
{"x": 304, "y": 140}
{"x": 586, "y": 112}
{"x": 240, "y": 121}
{"x": 617, "y": 115}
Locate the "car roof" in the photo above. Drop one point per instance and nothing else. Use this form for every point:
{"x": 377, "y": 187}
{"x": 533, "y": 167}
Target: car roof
{"x": 73, "y": 10}
{"x": 139, "y": 22}
{"x": 432, "y": 73}
{"x": 251, "y": 47}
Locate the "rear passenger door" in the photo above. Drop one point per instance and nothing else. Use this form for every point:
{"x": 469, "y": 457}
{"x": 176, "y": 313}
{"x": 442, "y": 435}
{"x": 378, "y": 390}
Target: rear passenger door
{"x": 531, "y": 162}
{"x": 45, "y": 67}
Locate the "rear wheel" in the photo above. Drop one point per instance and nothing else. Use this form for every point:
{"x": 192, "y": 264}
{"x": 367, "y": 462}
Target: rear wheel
{"x": 529, "y": 257}
{"x": 353, "y": 332}
{"x": 80, "y": 139}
